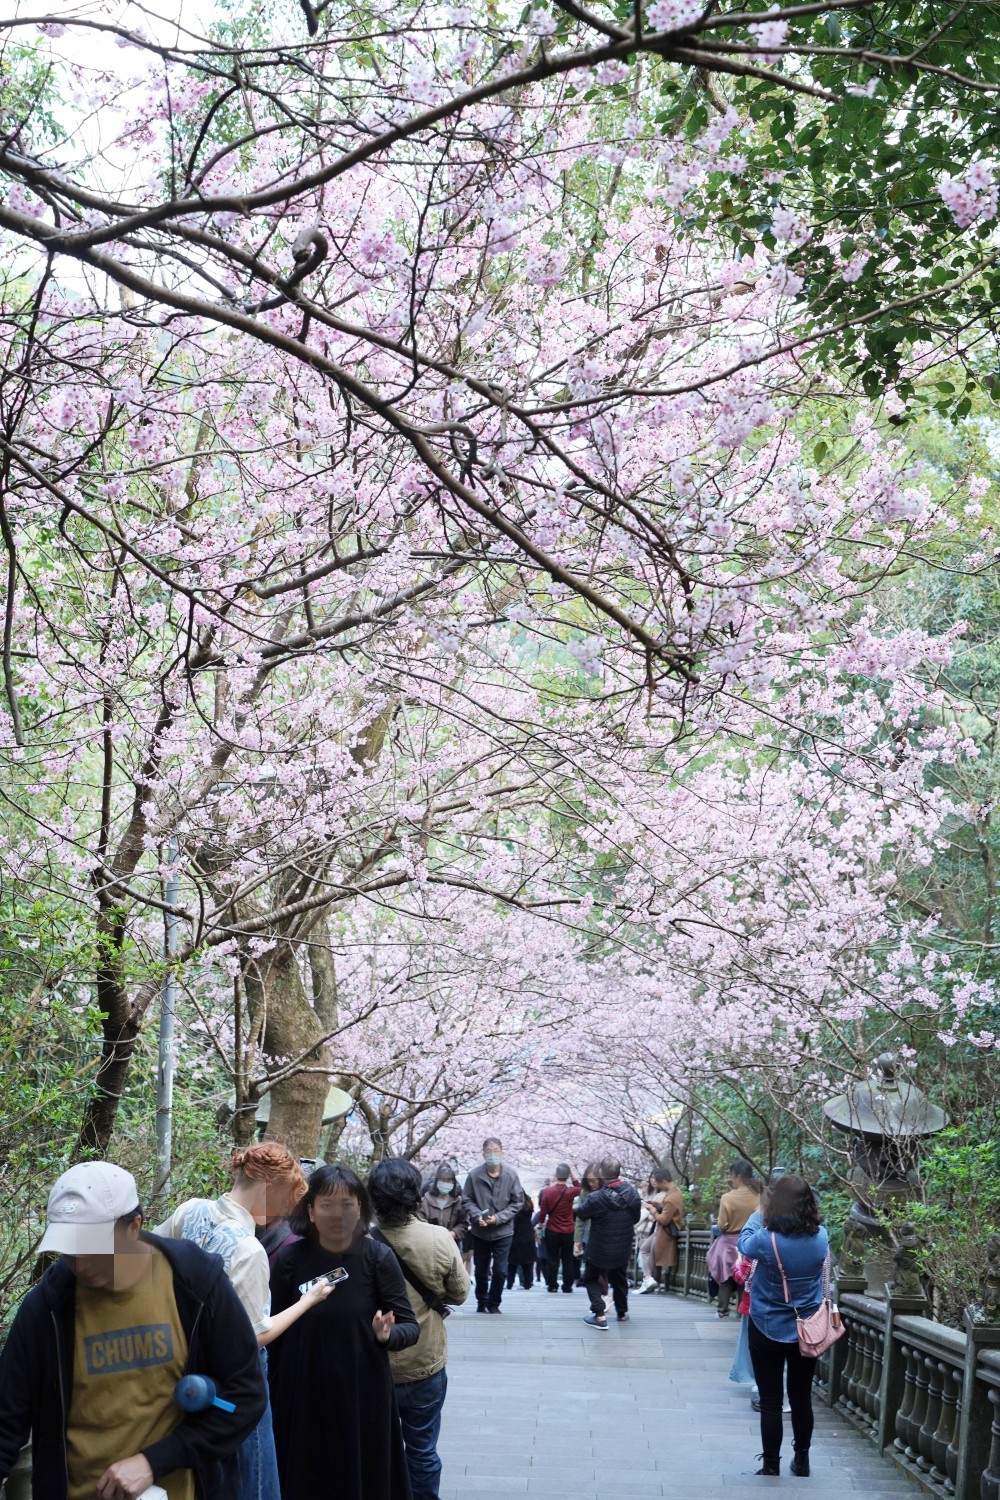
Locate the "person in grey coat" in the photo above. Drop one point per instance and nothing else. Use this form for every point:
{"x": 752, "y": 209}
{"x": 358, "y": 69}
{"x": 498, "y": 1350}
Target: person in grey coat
{"x": 493, "y": 1197}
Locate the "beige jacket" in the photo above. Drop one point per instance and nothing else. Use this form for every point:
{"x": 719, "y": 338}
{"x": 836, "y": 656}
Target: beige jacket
{"x": 735, "y": 1207}
{"x": 437, "y": 1260}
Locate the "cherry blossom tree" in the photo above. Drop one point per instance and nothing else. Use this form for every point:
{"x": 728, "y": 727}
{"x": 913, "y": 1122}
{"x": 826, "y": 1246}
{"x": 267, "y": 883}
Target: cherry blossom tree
{"x": 434, "y": 543}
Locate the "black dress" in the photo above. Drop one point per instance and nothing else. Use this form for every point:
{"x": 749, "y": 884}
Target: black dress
{"x": 336, "y": 1427}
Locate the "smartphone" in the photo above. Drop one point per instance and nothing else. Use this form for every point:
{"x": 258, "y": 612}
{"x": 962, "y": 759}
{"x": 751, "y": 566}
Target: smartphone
{"x": 334, "y": 1277}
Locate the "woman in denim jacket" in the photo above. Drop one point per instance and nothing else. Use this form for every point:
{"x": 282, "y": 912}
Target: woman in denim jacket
{"x": 790, "y": 1213}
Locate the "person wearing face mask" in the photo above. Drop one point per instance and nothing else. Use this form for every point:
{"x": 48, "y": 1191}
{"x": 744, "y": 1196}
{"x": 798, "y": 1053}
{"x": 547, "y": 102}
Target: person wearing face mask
{"x": 336, "y": 1422}
{"x": 442, "y": 1203}
{"x": 493, "y": 1197}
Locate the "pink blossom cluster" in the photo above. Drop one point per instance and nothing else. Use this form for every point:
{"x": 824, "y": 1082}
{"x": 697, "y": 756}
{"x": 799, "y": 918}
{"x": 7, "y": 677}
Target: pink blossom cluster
{"x": 673, "y": 15}
{"x": 970, "y": 198}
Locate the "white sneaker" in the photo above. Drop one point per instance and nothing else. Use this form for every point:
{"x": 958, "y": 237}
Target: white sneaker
{"x": 649, "y": 1285}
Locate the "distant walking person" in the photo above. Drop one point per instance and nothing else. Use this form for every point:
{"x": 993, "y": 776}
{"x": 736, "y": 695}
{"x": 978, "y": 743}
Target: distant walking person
{"x": 735, "y": 1208}
{"x": 790, "y": 1246}
{"x": 555, "y": 1204}
{"x": 523, "y": 1249}
{"x": 436, "y": 1280}
{"x": 590, "y": 1184}
{"x": 493, "y": 1196}
{"x": 442, "y": 1203}
{"x": 612, "y": 1212}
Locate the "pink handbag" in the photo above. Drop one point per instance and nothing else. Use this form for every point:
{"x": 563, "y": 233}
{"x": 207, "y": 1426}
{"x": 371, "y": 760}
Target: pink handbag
{"x": 823, "y": 1327}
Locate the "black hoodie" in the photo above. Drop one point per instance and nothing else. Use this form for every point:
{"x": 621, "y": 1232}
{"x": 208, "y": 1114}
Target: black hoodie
{"x": 36, "y": 1377}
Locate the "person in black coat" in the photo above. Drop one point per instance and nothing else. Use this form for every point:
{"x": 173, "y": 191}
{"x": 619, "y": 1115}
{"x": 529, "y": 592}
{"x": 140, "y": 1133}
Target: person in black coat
{"x": 336, "y": 1424}
{"x": 523, "y": 1248}
{"x": 613, "y": 1212}
{"x": 39, "y": 1374}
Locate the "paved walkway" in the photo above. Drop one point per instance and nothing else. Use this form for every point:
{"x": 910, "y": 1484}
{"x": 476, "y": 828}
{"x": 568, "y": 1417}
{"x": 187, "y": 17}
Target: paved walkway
{"x": 540, "y": 1405}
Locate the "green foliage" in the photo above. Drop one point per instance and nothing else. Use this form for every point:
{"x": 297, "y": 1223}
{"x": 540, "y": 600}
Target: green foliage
{"x": 46, "y": 1057}
{"x": 28, "y": 91}
{"x": 863, "y": 170}
{"x": 49, "y": 1047}
{"x": 961, "y": 1209}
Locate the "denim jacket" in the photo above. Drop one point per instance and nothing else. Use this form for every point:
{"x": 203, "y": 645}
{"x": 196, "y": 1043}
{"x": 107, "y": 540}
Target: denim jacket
{"x": 802, "y": 1256}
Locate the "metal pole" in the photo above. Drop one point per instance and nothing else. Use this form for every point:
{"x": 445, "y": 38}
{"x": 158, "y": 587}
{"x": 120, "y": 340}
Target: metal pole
{"x": 165, "y": 1065}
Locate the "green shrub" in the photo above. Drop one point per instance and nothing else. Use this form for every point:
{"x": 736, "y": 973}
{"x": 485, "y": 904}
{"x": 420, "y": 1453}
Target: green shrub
{"x": 960, "y": 1210}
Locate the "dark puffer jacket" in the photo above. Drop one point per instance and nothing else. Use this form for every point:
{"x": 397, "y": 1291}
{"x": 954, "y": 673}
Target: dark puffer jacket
{"x": 613, "y": 1212}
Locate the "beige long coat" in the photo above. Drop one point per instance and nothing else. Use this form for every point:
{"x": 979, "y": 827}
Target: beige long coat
{"x": 670, "y": 1210}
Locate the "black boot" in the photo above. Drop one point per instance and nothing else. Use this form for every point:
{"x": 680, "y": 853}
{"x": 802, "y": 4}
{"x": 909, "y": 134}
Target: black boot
{"x": 769, "y": 1466}
{"x": 800, "y": 1463}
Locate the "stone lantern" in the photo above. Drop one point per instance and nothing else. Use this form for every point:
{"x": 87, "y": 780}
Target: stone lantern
{"x": 887, "y": 1119}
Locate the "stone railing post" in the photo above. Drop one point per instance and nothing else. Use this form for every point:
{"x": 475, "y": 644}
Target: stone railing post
{"x": 976, "y": 1417}
{"x": 836, "y": 1357}
{"x": 894, "y": 1364}
{"x": 686, "y": 1278}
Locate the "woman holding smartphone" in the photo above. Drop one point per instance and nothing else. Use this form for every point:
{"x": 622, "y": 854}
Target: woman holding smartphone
{"x": 331, "y": 1386}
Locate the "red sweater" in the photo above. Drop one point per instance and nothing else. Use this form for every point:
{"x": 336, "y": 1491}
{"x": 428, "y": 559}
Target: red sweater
{"x": 557, "y": 1203}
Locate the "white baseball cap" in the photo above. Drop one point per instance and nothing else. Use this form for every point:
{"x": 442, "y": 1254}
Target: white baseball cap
{"x": 83, "y": 1206}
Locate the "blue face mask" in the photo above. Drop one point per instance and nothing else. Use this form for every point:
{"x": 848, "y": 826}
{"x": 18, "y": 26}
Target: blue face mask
{"x": 493, "y": 1159}
{"x": 444, "y": 1186}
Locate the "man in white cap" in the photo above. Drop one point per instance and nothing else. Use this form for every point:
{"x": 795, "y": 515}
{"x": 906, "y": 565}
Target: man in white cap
{"x": 97, "y": 1347}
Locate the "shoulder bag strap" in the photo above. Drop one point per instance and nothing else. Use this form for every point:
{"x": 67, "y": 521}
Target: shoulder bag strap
{"x": 562, "y": 1200}
{"x": 781, "y": 1268}
{"x": 409, "y": 1274}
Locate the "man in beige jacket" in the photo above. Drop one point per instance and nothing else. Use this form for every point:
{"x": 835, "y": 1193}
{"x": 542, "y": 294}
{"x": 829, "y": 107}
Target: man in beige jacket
{"x": 735, "y": 1208}
{"x": 436, "y": 1279}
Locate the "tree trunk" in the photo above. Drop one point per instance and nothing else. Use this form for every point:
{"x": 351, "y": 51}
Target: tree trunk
{"x": 293, "y": 1027}
{"x": 120, "y": 1027}
{"x": 101, "y": 1112}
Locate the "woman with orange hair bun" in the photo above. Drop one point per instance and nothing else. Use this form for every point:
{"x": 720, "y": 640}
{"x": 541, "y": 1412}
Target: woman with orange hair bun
{"x": 267, "y": 1184}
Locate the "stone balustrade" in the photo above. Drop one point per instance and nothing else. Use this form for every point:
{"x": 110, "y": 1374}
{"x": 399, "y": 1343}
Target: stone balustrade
{"x": 925, "y": 1395}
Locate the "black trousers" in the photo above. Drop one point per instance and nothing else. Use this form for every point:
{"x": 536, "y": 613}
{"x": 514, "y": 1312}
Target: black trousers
{"x": 560, "y": 1253}
{"x": 770, "y": 1359}
{"x": 523, "y": 1270}
{"x": 726, "y": 1290}
{"x": 617, "y": 1277}
{"x": 490, "y": 1259}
